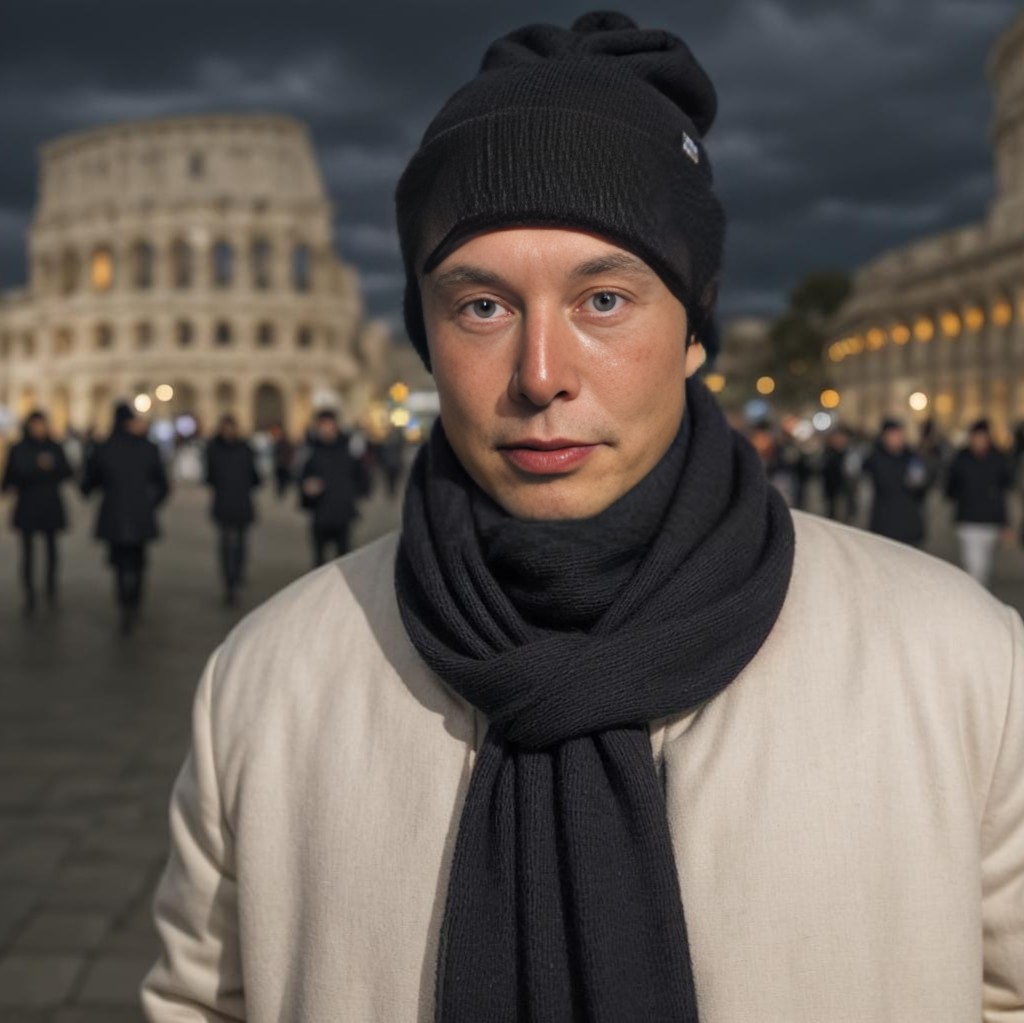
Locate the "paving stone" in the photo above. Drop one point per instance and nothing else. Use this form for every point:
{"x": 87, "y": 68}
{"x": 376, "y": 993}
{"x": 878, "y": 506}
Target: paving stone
{"x": 32, "y": 858}
{"x": 114, "y": 981}
{"x": 103, "y": 885}
{"x": 37, "y": 981}
{"x": 16, "y": 904}
{"x": 63, "y": 932}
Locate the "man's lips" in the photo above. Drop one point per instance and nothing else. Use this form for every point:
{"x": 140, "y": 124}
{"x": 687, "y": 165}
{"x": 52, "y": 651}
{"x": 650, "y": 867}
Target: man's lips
{"x": 547, "y": 457}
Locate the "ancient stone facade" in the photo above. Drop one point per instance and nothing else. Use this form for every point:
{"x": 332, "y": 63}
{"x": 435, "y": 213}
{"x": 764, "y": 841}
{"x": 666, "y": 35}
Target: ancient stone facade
{"x": 189, "y": 261}
{"x": 937, "y": 328}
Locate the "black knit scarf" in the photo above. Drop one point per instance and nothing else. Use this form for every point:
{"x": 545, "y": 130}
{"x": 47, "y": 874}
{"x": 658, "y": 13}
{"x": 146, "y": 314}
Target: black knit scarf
{"x": 564, "y": 902}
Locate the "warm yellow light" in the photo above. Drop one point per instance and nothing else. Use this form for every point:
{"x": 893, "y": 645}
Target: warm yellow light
{"x": 143, "y": 403}
{"x": 918, "y": 401}
{"x": 398, "y": 393}
{"x": 944, "y": 404}
{"x": 400, "y": 417}
{"x": 974, "y": 318}
{"x": 835, "y": 352}
{"x": 414, "y": 434}
{"x": 164, "y": 392}
{"x": 765, "y": 385}
{"x": 924, "y": 329}
{"x": 830, "y": 399}
{"x": 101, "y": 271}
{"x": 900, "y": 334}
{"x": 856, "y": 345}
{"x": 951, "y": 324}
{"x": 876, "y": 338}
{"x": 1002, "y": 313}
{"x": 715, "y": 382}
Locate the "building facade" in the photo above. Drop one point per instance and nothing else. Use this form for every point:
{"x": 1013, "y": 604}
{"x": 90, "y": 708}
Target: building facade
{"x": 186, "y": 264}
{"x": 936, "y": 329}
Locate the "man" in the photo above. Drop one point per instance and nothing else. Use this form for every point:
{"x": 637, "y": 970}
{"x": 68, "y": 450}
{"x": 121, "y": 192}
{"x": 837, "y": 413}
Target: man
{"x": 900, "y": 481}
{"x": 979, "y": 477}
{"x": 36, "y": 467}
{"x": 128, "y": 469}
{"x": 475, "y": 772}
{"x": 840, "y": 470}
{"x": 232, "y": 475}
{"x": 331, "y": 481}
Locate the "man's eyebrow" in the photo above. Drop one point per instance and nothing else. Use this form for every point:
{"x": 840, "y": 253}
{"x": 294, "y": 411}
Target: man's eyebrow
{"x": 614, "y": 262}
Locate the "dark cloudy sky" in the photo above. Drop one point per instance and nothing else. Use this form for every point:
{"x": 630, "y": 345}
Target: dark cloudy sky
{"x": 845, "y": 126}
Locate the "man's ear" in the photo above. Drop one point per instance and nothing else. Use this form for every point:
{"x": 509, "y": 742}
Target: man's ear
{"x": 695, "y": 356}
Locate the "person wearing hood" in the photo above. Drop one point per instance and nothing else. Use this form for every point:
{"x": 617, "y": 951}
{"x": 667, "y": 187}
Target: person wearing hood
{"x": 331, "y": 482}
{"x": 606, "y": 732}
{"x": 900, "y": 480}
{"x": 978, "y": 480}
{"x": 36, "y": 467}
{"x": 129, "y": 471}
{"x": 232, "y": 475}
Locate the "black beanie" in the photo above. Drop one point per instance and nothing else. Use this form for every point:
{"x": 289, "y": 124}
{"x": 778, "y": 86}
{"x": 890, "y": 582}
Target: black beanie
{"x": 598, "y": 127}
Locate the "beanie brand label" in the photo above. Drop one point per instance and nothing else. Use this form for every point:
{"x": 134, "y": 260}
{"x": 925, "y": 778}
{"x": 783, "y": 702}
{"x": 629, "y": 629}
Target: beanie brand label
{"x": 690, "y": 148}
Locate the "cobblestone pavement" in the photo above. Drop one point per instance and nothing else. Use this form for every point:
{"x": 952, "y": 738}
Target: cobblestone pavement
{"x": 93, "y": 728}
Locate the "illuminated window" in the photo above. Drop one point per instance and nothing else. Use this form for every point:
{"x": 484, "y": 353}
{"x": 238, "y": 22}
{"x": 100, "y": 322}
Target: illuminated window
{"x": 302, "y": 268}
{"x": 223, "y": 264}
{"x": 265, "y": 335}
{"x": 261, "y": 256}
{"x": 184, "y": 333}
{"x": 222, "y": 333}
{"x": 101, "y": 269}
{"x": 103, "y": 336}
{"x": 142, "y": 265}
{"x": 304, "y": 337}
{"x": 181, "y": 264}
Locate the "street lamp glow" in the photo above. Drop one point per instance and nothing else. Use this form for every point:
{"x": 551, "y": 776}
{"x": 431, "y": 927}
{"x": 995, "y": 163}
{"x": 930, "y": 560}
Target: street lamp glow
{"x": 830, "y": 399}
{"x": 765, "y": 385}
{"x": 143, "y": 403}
{"x": 399, "y": 392}
{"x": 164, "y": 392}
{"x": 400, "y": 417}
{"x": 715, "y": 382}
{"x": 918, "y": 401}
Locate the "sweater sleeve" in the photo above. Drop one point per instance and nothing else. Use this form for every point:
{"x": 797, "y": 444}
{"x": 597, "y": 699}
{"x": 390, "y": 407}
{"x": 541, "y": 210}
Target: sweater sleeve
{"x": 198, "y": 975}
{"x": 1002, "y": 838}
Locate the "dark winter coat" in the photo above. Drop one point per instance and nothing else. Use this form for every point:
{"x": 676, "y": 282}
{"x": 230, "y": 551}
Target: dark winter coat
{"x": 39, "y": 507}
{"x": 129, "y": 471}
{"x": 345, "y": 480}
{"x": 897, "y": 510}
{"x": 231, "y": 472}
{"x": 979, "y": 485}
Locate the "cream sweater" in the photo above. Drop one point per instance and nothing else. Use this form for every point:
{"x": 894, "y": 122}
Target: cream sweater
{"x": 847, "y": 816}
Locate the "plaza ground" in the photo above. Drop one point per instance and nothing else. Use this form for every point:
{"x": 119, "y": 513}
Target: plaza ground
{"x": 93, "y": 729}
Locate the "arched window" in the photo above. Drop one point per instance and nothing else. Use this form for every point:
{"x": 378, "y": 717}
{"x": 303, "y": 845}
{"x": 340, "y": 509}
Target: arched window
{"x": 304, "y": 337}
{"x": 70, "y": 270}
{"x": 144, "y": 335}
{"x": 101, "y": 269}
{"x": 103, "y": 336}
{"x": 261, "y": 259}
{"x": 181, "y": 264}
{"x": 265, "y": 336}
{"x": 223, "y": 264}
{"x": 184, "y": 333}
{"x": 143, "y": 259}
{"x": 222, "y": 333}
{"x": 302, "y": 267}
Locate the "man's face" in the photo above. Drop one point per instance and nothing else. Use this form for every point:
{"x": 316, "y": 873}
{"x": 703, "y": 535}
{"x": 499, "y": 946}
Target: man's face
{"x": 894, "y": 440}
{"x": 980, "y": 443}
{"x": 37, "y": 429}
{"x": 560, "y": 363}
{"x": 327, "y": 430}
{"x": 228, "y": 430}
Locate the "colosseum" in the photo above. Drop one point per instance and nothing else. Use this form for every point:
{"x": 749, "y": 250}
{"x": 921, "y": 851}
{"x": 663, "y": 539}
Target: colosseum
{"x": 936, "y": 329}
{"x": 186, "y": 264}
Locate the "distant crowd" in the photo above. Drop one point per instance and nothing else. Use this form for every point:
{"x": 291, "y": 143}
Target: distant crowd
{"x": 331, "y": 472}
{"x": 976, "y": 478}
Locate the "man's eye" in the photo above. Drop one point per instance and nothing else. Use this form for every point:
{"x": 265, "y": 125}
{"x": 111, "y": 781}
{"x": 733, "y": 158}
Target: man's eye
{"x": 606, "y": 301}
{"x": 483, "y": 308}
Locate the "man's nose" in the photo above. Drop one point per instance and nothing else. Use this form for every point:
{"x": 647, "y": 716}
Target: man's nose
{"x": 547, "y": 360}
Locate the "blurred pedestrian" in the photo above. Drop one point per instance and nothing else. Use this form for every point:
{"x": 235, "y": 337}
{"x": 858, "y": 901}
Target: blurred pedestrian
{"x": 284, "y": 459}
{"x": 900, "y": 480}
{"x": 978, "y": 480}
{"x": 128, "y": 469}
{"x": 232, "y": 474}
{"x": 391, "y": 459}
{"x": 779, "y": 462}
{"x": 332, "y": 480}
{"x": 36, "y": 467}
{"x": 840, "y": 471}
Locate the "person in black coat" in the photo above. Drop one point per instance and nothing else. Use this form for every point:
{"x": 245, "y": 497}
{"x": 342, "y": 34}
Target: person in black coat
{"x": 901, "y": 480}
{"x": 36, "y": 467}
{"x": 838, "y": 481}
{"x": 331, "y": 482}
{"x": 978, "y": 479}
{"x": 232, "y": 474}
{"x": 128, "y": 468}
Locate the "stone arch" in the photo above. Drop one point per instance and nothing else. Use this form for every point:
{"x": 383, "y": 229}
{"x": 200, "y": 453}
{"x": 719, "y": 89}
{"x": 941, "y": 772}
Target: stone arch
{"x": 185, "y": 401}
{"x": 143, "y": 265}
{"x": 225, "y": 398}
{"x": 268, "y": 405}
